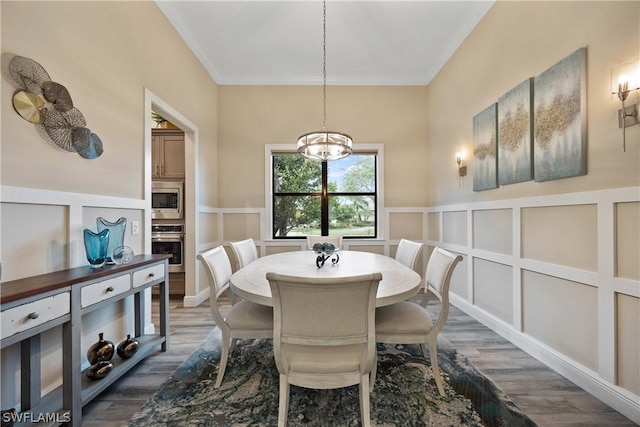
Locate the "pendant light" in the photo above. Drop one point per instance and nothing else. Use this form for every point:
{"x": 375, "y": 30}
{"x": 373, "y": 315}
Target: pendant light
{"x": 324, "y": 145}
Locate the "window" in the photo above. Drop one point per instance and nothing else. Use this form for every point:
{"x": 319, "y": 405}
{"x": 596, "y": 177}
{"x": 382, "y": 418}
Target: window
{"x": 324, "y": 198}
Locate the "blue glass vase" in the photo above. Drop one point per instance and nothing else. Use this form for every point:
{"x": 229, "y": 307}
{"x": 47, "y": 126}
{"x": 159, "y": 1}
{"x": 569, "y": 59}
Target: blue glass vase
{"x": 96, "y": 244}
{"x": 116, "y": 234}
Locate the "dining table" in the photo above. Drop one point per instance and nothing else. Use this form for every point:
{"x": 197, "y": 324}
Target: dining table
{"x": 398, "y": 283}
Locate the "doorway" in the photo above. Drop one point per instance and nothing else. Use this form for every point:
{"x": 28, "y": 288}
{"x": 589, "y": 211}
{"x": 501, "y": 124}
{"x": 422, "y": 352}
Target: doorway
{"x": 155, "y": 104}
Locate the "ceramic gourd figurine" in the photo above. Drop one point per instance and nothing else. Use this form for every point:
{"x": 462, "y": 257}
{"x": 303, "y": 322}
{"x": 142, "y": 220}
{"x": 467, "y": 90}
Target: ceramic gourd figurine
{"x": 128, "y": 347}
{"x": 99, "y": 370}
{"x": 101, "y": 351}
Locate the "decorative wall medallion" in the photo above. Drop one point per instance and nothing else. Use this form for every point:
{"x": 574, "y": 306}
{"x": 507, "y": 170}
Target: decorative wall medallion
{"x": 44, "y": 102}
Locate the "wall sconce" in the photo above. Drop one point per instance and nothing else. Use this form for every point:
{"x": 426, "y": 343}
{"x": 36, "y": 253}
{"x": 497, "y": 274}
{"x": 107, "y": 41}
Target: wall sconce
{"x": 462, "y": 170}
{"x": 625, "y": 79}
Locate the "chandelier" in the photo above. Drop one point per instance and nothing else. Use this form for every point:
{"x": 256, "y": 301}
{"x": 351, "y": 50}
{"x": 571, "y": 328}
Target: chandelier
{"x": 324, "y": 145}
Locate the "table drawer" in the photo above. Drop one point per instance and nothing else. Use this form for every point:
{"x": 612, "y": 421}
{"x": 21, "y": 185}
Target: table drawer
{"x": 104, "y": 290}
{"x": 27, "y": 316}
{"x": 147, "y": 275}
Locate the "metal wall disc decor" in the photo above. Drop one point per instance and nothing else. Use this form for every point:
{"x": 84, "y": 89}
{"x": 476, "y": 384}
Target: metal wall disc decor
{"x": 58, "y": 95}
{"x": 28, "y": 105}
{"x": 60, "y": 126}
{"x": 87, "y": 143}
{"x": 28, "y": 74}
{"x": 42, "y": 101}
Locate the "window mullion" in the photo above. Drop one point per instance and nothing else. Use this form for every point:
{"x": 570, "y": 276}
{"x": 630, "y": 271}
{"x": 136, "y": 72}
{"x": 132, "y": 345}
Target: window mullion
{"x": 324, "y": 201}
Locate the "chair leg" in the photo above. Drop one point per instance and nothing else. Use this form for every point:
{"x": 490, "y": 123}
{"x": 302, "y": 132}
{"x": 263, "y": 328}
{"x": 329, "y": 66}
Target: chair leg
{"x": 433, "y": 352}
{"x": 224, "y": 356}
{"x": 365, "y": 411}
{"x": 374, "y": 371}
{"x": 283, "y": 407}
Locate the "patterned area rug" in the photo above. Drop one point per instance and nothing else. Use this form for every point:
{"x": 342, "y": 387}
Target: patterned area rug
{"x": 405, "y": 393}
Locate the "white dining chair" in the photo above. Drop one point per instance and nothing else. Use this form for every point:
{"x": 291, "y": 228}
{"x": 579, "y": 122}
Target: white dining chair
{"x": 324, "y": 335}
{"x": 408, "y": 252}
{"x": 409, "y": 323}
{"x": 244, "y": 320}
{"x": 334, "y": 240}
{"x": 245, "y": 252}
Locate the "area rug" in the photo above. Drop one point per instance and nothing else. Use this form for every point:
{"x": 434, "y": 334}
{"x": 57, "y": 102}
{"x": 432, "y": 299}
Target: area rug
{"x": 405, "y": 392}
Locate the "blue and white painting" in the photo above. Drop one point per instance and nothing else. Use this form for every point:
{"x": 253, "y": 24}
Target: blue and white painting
{"x": 515, "y": 157}
{"x": 560, "y": 119}
{"x": 485, "y": 153}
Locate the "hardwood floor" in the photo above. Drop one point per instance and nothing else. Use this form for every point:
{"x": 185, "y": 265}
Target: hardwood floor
{"x": 548, "y": 398}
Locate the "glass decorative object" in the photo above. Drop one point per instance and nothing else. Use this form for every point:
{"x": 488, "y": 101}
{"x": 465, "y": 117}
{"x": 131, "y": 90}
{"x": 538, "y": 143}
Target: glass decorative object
{"x": 116, "y": 234}
{"x": 122, "y": 255}
{"x": 96, "y": 244}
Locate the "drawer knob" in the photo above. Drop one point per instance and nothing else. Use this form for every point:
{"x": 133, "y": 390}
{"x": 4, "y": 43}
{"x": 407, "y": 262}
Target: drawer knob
{"x": 152, "y": 275}
{"x": 110, "y": 289}
{"x": 33, "y": 315}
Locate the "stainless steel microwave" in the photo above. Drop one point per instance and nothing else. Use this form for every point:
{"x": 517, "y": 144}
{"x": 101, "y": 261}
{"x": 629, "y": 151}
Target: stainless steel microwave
{"x": 167, "y": 200}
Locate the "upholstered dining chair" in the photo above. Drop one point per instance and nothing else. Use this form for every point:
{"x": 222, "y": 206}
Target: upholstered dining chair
{"x": 334, "y": 240}
{"x": 324, "y": 335}
{"x": 408, "y": 252}
{"x": 244, "y": 320}
{"x": 245, "y": 252}
{"x": 409, "y": 323}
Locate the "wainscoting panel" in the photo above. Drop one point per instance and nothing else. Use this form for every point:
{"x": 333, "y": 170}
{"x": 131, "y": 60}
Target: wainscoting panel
{"x": 565, "y": 235}
{"x": 454, "y": 227}
{"x": 628, "y": 240}
{"x": 492, "y": 230}
{"x": 559, "y": 313}
{"x": 460, "y": 279}
{"x": 35, "y": 239}
{"x": 241, "y": 226}
{"x": 405, "y": 226}
{"x": 433, "y": 230}
{"x": 493, "y": 288}
{"x": 628, "y": 346}
{"x": 209, "y": 229}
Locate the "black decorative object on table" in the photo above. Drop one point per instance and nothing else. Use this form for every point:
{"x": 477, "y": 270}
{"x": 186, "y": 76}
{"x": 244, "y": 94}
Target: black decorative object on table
{"x": 326, "y": 251}
{"x": 128, "y": 347}
{"x": 101, "y": 351}
{"x": 99, "y": 370}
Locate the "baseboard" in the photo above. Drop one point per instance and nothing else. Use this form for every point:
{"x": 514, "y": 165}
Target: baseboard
{"x": 194, "y": 301}
{"x": 618, "y": 398}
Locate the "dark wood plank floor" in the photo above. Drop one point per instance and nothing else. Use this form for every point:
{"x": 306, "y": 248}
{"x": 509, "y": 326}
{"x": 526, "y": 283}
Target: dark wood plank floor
{"x": 548, "y": 398}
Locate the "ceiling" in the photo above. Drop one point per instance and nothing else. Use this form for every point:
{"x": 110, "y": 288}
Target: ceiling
{"x": 275, "y": 42}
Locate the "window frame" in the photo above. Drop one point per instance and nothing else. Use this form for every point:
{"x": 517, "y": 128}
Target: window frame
{"x": 275, "y": 149}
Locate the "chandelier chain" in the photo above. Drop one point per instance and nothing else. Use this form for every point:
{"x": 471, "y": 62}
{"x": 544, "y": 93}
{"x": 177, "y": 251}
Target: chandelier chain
{"x": 324, "y": 65}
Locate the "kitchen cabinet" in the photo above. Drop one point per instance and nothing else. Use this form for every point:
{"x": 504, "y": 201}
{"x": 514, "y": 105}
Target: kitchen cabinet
{"x": 167, "y": 153}
{"x": 33, "y": 305}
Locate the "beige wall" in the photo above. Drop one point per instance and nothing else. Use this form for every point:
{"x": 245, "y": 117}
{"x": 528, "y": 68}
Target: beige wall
{"x": 105, "y": 54}
{"x": 518, "y": 40}
{"x": 105, "y": 67}
{"x": 550, "y": 263}
{"x": 252, "y": 116}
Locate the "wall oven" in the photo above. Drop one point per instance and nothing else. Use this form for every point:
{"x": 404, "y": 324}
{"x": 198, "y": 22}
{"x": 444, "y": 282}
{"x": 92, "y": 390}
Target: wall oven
{"x": 166, "y": 200}
{"x": 169, "y": 239}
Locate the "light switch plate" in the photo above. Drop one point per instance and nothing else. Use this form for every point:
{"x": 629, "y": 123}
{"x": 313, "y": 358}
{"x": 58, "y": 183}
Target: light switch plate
{"x": 135, "y": 228}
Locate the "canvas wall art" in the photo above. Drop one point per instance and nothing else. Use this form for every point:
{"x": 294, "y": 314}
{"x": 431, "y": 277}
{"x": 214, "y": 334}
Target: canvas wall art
{"x": 515, "y": 157}
{"x": 485, "y": 153}
{"x": 560, "y": 119}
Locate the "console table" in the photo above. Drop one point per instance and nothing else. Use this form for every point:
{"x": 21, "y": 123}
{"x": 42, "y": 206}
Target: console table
{"x": 35, "y": 304}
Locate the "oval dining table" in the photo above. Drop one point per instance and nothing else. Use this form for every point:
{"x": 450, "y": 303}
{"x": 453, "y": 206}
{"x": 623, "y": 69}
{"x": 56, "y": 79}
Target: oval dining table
{"x": 398, "y": 283}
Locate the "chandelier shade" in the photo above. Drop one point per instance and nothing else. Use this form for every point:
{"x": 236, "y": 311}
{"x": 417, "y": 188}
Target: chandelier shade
{"x": 325, "y": 145}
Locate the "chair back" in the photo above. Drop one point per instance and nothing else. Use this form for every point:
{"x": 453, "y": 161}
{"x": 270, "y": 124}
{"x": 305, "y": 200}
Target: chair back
{"x": 245, "y": 252}
{"x": 323, "y": 312}
{"x": 334, "y": 240}
{"x": 408, "y": 252}
{"x": 218, "y": 267}
{"x": 437, "y": 278}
